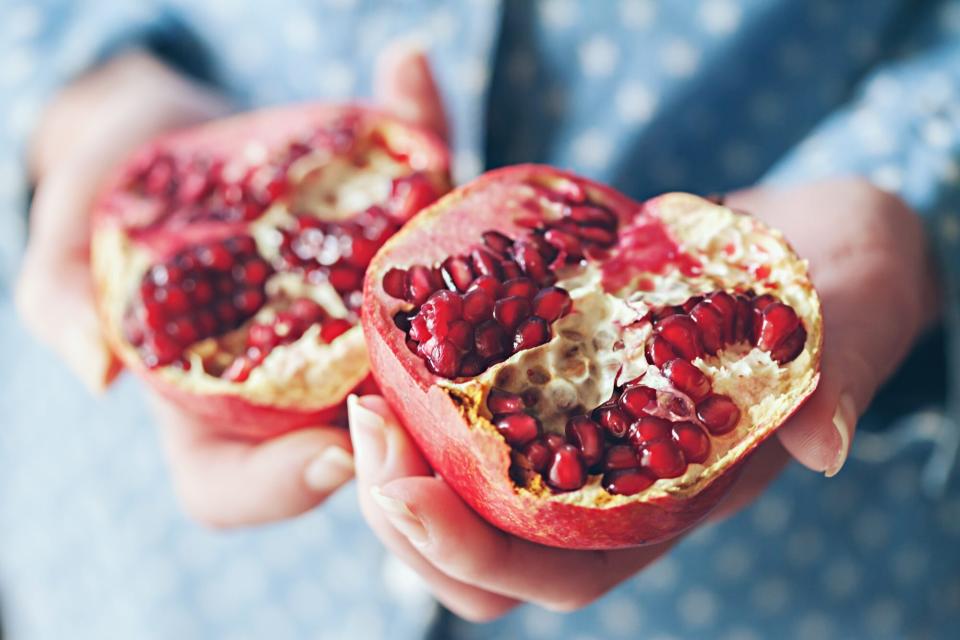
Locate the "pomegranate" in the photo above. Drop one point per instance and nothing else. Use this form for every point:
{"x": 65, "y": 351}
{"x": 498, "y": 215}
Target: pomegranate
{"x": 229, "y": 258}
{"x": 584, "y": 370}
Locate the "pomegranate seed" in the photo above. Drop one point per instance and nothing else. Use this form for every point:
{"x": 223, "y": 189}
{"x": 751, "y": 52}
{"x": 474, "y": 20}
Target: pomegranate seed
{"x": 489, "y": 285}
{"x": 345, "y": 278}
{"x": 441, "y": 309}
{"x": 497, "y": 242}
{"x": 160, "y": 350}
{"x": 554, "y": 441}
{"x": 711, "y": 326}
{"x": 726, "y": 307}
{"x": 648, "y": 429}
{"x": 779, "y": 321}
{"x": 202, "y": 291}
{"x": 693, "y": 442}
{"x": 471, "y": 365}
{"x": 589, "y": 215}
{"x": 683, "y": 335}
{"x": 395, "y": 283}
{"x": 538, "y": 455}
{"x": 552, "y": 303}
{"x": 421, "y": 283}
{"x": 485, "y": 263}
{"x": 522, "y": 287}
{"x": 718, "y": 413}
{"x": 510, "y": 312}
{"x": 614, "y": 420}
{"x": 567, "y": 472}
{"x": 418, "y": 328}
{"x": 584, "y": 434}
{"x": 239, "y": 370}
{"x": 511, "y": 270}
{"x": 477, "y": 306}
{"x": 636, "y": 399}
{"x": 216, "y": 257}
{"x": 499, "y": 401}
{"x": 627, "y": 482}
{"x": 532, "y": 332}
{"x": 565, "y": 242}
{"x": 743, "y": 325}
{"x": 518, "y": 428}
{"x": 262, "y": 336}
{"x": 207, "y": 323}
{"x": 659, "y": 351}
{"x": 663, "y": 459}
{"x": 333, "y": 328}
{"x": 308, "y": 310}
{"x": 688, "y": 379}
{"x": 457, "y": 273}
{"x": 688, "y": 306}
{"x": 791, "y": 347}
{"x": 598, "y": 235}
{"x": 182, "y": 330}
{"x": 460, "y": 333}
{"x": 490, "y": 340}
{"x": 620, "y": 456}
{"x": 531, "y": 262}
{"x": 759, "y": 304}
{"x": 442, "y": 357}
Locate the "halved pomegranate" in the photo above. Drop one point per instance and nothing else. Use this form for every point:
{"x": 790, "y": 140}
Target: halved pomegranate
{"x": 229, "y": 258}
{"x": 584, "y": 370}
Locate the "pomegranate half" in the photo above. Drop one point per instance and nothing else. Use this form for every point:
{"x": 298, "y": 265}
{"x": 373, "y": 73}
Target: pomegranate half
{"x": 228, "y": 259}
{"x": 584, "y": 370}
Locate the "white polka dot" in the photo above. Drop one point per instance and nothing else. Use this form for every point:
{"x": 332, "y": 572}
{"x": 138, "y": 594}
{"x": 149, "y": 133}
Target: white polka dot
{"x": 539, "y": 623}
{"x": 804, "y": 547}
{"x": 697, "y": 607}
{"x": 521, "y": 67}
{"x": 662, "y": 575}
{"x": 23, "y": 22}
{"x": 909, "y": 564}
{"x": 441, "y": 25}
{"x": 948, "y": 514}
{"x": 680, "y": 58}
{"x": 598, "y": 57}
{"x": 871, "y": 528}
{"x": 592, "y": 149}
{"x": 249, "y": 54}
{"x": 873, "y": 132}
{"x": 300, "y": 31}
{"x": 770, "y": 596}
{"x": 814, "y": 626}
{"x": 770, "y": 515}
{"x": 466, "y": 165}
{"x": 794, "y": 57}
{"x": 888, "y": 177}
{"x": 558, "y": 14}
{"x": 934, "y": 93}
{"x": 473, "y": 76}
{"x": 766, "y": 108}
{"x": 739, "y": 159}
{"x": 637, "y": 14}
{"x": 741, "y": 634}
{"x": 620, "y": 616}
{"x": 719, "y": 17}
{"x": 733, "y": 561}
{"x": 901, "y": 482}
{"x": 938, "y": 132}
{"x": 840, "y": 578}
{"x": 635, "y": 103}
{"x": 883, "y": 617}
{"x": 341, "y": 4}
{"x": 883, "y": 89}
{"x": 337, "y": 78}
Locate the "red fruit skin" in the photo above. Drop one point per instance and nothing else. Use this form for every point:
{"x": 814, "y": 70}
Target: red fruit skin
{"x": 232, "y": 414}
{"x": 445, "y": 421}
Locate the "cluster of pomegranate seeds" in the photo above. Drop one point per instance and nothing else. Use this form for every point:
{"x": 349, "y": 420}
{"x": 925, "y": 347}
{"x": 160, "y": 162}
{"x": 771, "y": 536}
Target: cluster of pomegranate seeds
{"x": 641, "y": 434}
{"x": 199, "y": 292}
{"x": 336, "y": 251}
{"x": 476, "y": 309}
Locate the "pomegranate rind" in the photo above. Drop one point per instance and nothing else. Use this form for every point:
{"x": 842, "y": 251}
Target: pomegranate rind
{"x": 259, "y": 408}
{"x": 451, "y": 425}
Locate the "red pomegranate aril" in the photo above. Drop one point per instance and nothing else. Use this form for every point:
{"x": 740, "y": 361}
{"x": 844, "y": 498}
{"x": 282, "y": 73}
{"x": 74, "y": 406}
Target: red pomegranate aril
{"x": 485, "y": 263}
{"x": 648, "y": 429}
{"x": 307, "y": 309}
{"x": 711, "y": 327}
{"x": 693, "y": 442}
{"x": 531, "y": 262}
{"x": 442, "y": 357}
{"x": 538, "y": 454}
{"x": 726, "y": 307}
{"x": 510, "y": 270}
{"x": 477, "y": 306}
{"x": 636, "y": 399}
{"x": 239, "y": 370}
{"x": 215, "y": 256}
{"x": 584, "y": 434}
{"x": 567, "y": 471}
{"x": 158, "y": 349}
{"x": 471, "y": 365}
{"x": 522, "y": 287}
{"x": 510, "y": 312}
{"x": 627, "y": 482}
{"x": 663, "y": 459}
{"x": 659, "y": 351}
{"x": 565, "y": 242}
{"x": 532, "y": 332}
{"x": 490, "y": 340}
{"x": 344, "y": 278}
{"x": 499, "y": 401}
{"x": 489, "y": 285}
{"x": 718, "y": 413}
{"x": 743, "y": 323}
{"x": 497, "y": 242}
{"x": 421, "y": 283}
{"x": 518, "y": 428}
{"x": 619, "y": 457}
{"x": 790, "y": 347}
{"x": 614, "y": 420}
{"x": 441, "y": 309}
{"x": 457, "y": 273}
{"x": 262, "y": 336}
{"x": 395, "y": 283}
{"x": 598, "y": 235}
{"x": 683, "y": 335}
{"x": 778, "y": 322}
{"x": 334, "y": 328}
{"x": 589, "y": 215}
{"x": 552, "y": 303}
{"x": 687, "y": 378}
{"x": 460, "y": 333}
{"x": 418, "y": 328}
{"x": 249, "y": 300}
{"x": 554, "y": 441}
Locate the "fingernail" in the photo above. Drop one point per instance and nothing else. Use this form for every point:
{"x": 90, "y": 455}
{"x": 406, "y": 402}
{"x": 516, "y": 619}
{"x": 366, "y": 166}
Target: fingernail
{"x": 844, "y": 419}
{"x": 400, "y": 516}
{"x": 331, "y": 468}
{"x": 367, "y": 427}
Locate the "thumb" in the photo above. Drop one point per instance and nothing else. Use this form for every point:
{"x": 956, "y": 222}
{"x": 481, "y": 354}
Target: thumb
{"x": 404, "y": 85}
{"x": 229, "y": 483}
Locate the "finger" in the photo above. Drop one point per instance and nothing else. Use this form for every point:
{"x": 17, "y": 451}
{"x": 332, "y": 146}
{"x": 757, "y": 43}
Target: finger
{"x": 228, "y": 483}
{"x": 383, "y": 453}
{"x": 464, "y": 546}
{"x": 55, "y": 282}
{"x": 404, "y": 85}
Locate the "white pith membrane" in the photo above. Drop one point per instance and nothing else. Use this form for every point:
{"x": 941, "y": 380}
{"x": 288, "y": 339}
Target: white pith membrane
{"x": 578, "y": 366}
{"x": 306, "y": 372}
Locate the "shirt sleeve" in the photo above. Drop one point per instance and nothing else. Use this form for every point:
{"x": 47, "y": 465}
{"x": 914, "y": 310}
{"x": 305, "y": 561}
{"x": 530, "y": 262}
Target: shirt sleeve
{"x": 46, "y": 44}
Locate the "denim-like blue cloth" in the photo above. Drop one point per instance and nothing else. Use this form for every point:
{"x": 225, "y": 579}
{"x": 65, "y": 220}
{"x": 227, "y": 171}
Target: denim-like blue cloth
{"x": 699, "y": 95}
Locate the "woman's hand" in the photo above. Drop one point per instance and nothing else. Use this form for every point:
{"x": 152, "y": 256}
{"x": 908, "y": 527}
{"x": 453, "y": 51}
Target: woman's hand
{"x": 868, "y": 259}
{"x": 90, "y": 127}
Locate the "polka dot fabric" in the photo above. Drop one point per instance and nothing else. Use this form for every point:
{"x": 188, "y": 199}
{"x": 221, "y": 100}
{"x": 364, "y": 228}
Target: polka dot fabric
{"x": 701, "y": 95}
